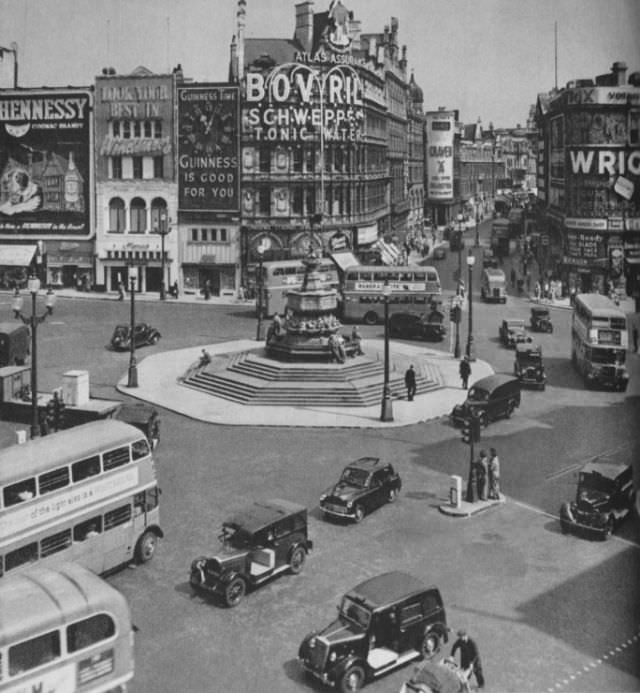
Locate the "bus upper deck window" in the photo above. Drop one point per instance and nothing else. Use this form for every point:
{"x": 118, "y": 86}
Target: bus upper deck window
{"x": 432, "y": 276}
{"x": 90, "y": 631}
{"x": 140, "y": 448}
{"x": 408, "y": 276}
{"x": 20, "y": 492}
{"x": 364, "y": 276}
{"x": 277, "y": 271}
{"x": 34, "y": 653}
{"x": 83, "y": 469}
{"x": 115, "y": 458}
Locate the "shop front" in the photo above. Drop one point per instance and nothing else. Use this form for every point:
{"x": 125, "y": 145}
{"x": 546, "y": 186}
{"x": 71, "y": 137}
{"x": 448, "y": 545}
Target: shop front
{"x": 115, "y": 263}
{"x": 221, "y": 278}
{"x": 17, "y": 264}
{"x": 70, "y": 264}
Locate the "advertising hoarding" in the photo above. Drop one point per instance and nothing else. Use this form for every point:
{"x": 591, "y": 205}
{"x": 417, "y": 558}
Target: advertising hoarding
{"x": 440, "y": 134}
{"x": 45, "y": 167}
{"x": 208, "y": 148}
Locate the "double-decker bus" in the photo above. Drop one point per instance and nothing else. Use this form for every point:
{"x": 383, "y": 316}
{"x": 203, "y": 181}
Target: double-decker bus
{"x": 281, "y": 276}
{"x": 63, "y": 629}
{"x": 413, "y": 289}
{"x": 87, "y": 494}
{"x": 599, "y": 341}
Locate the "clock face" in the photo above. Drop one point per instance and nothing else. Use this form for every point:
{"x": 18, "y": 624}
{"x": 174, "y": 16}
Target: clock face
{"x": 17, "y": 130}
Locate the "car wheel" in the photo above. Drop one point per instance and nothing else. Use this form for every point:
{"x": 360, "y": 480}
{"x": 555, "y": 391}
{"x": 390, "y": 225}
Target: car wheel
{"x": 297, "y": 559}
{"x": 235, "y": 591}
{"x": 352, "y": 680}
{"x": 430, "y": 646}
{"x": 370, "y": 318}
{"x": 154, "y": 339}
{"x": 358, "y": 513}
{"x": 510, "y": 409}
{"x": 146, "y": 547}
{"x": 609, "y": 527}
{"x": 392, "y": 496}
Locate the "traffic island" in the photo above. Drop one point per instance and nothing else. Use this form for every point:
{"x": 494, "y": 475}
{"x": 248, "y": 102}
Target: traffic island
{"x": 466, "y": 509}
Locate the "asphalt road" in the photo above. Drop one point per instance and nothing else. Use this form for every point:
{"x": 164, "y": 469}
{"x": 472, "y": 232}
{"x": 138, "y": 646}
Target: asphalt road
{"x": 549, "y": 611}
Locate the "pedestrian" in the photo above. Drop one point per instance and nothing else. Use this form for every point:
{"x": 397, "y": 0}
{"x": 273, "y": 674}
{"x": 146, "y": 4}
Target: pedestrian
{"x": 357, "y": 340}
{"x": 469, "y": 656}
{"x": 634, "y": 335}
{"x": 120, "y": 291}
{"x": 572, "y": 295}
{"x": 410, "y": 382}
{"x": 494, "y": 475}
{"x": 513, "y": 276}
{"x": 207, "y": 290}
{"x": 537, "y": 291}
{"x": 175, "y": 291}
{"x": 528, "y": 281}
{"x": 465, "y": 372}
{"x": 483, "y": 475}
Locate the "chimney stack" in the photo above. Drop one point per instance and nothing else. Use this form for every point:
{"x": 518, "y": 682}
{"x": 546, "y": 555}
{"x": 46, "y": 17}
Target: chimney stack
{"x": 304, "y": 25}
{"x": 619, "y": 69}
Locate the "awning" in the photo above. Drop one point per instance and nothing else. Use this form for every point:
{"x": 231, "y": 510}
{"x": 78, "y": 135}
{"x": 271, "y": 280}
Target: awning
{"x": 389, "y": 252}
{"x": 344, "y": 259}
{"x": 17, "y": 255}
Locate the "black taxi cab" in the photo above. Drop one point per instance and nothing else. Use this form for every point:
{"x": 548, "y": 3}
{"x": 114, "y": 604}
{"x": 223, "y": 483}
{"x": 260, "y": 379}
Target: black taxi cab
{"x": 489, "y": 398}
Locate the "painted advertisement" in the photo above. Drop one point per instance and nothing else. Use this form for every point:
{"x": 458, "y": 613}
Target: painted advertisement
{"x": 440, "y": 133}
{"x": 208, "y": 148}
{"x": 45, "y": 164}
{"x": 302, "y": 103}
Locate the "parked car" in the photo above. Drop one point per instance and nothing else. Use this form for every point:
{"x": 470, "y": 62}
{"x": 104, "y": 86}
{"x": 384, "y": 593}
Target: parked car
{"x": 512, "y": 331}
{"x": 528, "y": 366}
{"x": 263, "y": 540}
{"x": 540, "y": 320}
{"x": 429, "y": 326}
{"x": 14, "y": 344}
{"x": 364, "y": 485}
{"x": 488, "y": 399}
{"x": 604, "y": 497}
{"x": 143, "y": 334}
{"x": 383, "y": 623}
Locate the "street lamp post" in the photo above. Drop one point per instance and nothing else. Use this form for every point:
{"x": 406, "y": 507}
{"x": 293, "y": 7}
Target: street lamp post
{"x": 260, "y": 250}
{"x": 460, "y": 237}
{"x": 163, "y": 230}
{"x": 386, "y": 413}
{"x": 470, "y": 348}
{"x": 33, "y": 285}
{"x": 456, "y": 348}
{"x": 133, "y": 366}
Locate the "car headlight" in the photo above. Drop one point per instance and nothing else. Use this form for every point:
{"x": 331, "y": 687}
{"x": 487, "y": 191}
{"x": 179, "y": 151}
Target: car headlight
{"x": 323, "y": 497}
{"x": 332, "y": 657}
{"x": 350, "y": 505}
{"x": 312, "y": 642}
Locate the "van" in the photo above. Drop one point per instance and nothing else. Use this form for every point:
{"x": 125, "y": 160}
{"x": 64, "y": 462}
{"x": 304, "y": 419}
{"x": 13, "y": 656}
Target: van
{"x": 14, "y": 344}
{"x": 488, "y": 399}
{"x": 493, "y": 285}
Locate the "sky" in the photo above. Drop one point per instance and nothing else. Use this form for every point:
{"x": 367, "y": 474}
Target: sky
{"x": 486, "y": 58}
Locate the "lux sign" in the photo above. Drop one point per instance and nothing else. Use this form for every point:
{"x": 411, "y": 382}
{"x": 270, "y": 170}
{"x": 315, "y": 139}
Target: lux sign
{"x": 612, "y": 162}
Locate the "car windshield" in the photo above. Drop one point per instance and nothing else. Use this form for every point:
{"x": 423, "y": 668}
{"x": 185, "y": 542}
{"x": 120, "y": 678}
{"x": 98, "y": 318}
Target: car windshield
{"x": 478, "y": 395}
{"x": 596, "y": 482}
{"x": 515, "y": 325}
{"x": 355, "y": 477}
{"x": 121, "y": 331}
{"x": 529, "y": 358}
{"x": 354, "y": 612}
{"x": 235, "y": 536}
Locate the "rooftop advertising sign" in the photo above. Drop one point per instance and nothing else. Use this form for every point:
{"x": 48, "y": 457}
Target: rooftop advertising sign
{"x": 45, "y": 162}
{"x": 440, "y": 133}
{"x": 297, "y": 103}
{"x": 208, "y": 142}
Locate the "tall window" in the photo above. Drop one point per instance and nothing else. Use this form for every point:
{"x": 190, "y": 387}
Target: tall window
{"x": 158, "y": 167}
{"x": 148, "y": 129}
{"x": 265, "y": 159}
{"x": 297, "y": 159}
{"x": 138, "y": 213}
{"x": 126, "y": 129}
{"x": 137, "y": 128}
{"x": 158, "y": 210}
{"x": 296, "y": 202}
{"x": 116, "y": 128}
{"x": 157, "y": 128}
{"x": 137, "y": 166}
{"x": 264, "y": 203}
{"x": 116, "y": 167}
{"x": 116, "y": 216}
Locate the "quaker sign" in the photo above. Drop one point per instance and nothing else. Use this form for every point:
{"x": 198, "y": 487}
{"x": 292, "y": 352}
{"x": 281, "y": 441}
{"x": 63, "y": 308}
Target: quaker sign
{"x": 297, "y": 104}
{"x": 440, "y": 132}
{"x": 208, "y": 141}
{"x": 45, "y": 165}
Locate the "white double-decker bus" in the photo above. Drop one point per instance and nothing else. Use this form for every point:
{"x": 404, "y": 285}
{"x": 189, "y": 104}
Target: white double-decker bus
{"x": 599, "y": 341}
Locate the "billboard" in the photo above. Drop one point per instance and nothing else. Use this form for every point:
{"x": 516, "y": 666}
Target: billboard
{"x": 208, "y": 143}
{"x": 440, "y": 133}
{"x": 45, "y": 165}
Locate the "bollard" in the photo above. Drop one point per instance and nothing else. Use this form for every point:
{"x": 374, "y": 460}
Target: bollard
{"x": 455, "y": 491}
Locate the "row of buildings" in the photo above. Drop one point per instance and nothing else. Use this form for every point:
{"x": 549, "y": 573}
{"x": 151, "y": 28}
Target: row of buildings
{"x": 321, "y": 140}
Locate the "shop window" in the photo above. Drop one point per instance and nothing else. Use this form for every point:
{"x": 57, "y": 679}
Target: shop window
{"x": 138, "y": 214}
{"x": 116, "y": 167}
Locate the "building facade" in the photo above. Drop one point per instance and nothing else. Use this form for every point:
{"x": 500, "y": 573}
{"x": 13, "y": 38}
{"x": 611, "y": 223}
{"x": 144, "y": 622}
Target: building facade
{"x": 589, "y": 182}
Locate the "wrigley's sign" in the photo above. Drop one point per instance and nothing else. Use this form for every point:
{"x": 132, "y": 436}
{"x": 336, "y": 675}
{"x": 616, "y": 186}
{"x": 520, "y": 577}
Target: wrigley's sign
{"x": 605, "y": 161}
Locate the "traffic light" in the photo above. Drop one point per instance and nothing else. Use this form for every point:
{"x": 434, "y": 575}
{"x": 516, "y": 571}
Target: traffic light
{"x": 470, "y": 430}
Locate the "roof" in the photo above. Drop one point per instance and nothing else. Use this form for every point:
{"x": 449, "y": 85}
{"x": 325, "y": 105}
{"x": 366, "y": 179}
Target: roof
{"x": 368, "y": 463}
{"x": 387, "y": 588}
{"x": 540, "y": 310}
{"x": 45, "y": 453}
{"x": 600, "y": 306}
{"x": 263, "y": 513}
{"x": 516, "y": 322}
{"x": 44, "y": 598}
{"x": 606, "y": 468}
{"x": 494, "y": 272}
{"x": 492, "y": 381}
{"x": 528, "y": 348}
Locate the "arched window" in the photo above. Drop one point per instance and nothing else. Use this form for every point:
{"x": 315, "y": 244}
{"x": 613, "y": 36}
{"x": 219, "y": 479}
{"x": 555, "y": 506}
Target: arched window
{"x": 116, "y": 216}
{"x": 138, "y": 214}
{"x": 159, "y": 215}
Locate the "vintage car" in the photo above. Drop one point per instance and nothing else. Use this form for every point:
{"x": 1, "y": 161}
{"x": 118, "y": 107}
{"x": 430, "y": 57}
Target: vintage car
{"x": 444, "y": 676}
{"x": 364, "y": 485}
{"x": 383, "y": 623}
{"x": 604, "y": 497}
{"x": 143, "y": 334}
{"x": 488, "y": 399}
{"x": 15, "y": 344}
{"x": 439, "y": 253}
{"x": 263, "y": 540}
{"x": 528, "y": 366}
{"x": 540, "y": 320}
{"x": 512, "y": 331}
{"x": 493, "y": 285}
{"x": 429, "y": 326}
{"x": 144, "y": 417}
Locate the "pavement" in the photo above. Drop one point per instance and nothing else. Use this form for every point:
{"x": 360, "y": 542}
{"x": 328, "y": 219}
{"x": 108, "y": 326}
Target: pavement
{"x": 159, "y": 383}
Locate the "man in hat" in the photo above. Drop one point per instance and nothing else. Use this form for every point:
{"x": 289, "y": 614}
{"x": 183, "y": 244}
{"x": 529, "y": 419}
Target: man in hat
{"x": 465, "y": 372}
{"x": 410, "y": 382}
{"x": 469, "y": 656}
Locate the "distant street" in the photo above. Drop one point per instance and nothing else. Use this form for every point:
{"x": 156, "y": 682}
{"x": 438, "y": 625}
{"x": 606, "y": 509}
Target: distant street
{"x": 545, "y": 608}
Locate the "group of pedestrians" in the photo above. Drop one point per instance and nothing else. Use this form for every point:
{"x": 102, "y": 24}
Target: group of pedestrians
{"x": 485, "y": 477}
